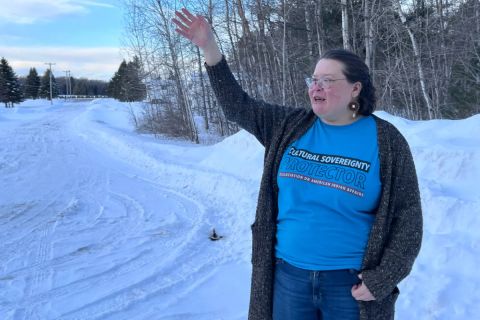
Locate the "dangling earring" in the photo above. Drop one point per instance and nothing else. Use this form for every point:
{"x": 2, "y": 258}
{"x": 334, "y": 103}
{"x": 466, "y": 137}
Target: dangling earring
{"x": 354, "y": 106}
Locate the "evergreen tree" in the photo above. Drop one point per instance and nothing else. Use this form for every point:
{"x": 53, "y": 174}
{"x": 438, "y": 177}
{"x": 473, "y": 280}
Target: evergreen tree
{"x": 116, "y": 83}
{"x": 32, "y": 84}
{"x": 137, "y": 89}
{"x": 126, "y": 85}
{"x": 10, "y": 91}
{"x": 44, "y": 91}
{"x": 3, "y": 88}
{"x": 113, "y": 88}
{"x": 123, "y": 85}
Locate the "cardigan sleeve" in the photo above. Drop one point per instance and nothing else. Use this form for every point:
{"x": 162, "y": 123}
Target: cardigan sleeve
{"x": 257, "y": 117}
{"x": 405, "y": 231}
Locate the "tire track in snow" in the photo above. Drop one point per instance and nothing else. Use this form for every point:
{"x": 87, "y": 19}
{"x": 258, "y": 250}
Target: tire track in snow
{"x": 152, "y": 282}
{"x": 39, "y": 278}
{"x": 139, "y": 264}
{"x": 28, "y": 238}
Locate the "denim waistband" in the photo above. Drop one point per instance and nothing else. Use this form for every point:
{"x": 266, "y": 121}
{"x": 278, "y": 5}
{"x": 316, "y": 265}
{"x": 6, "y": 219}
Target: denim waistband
{"x": 299, "y": 271}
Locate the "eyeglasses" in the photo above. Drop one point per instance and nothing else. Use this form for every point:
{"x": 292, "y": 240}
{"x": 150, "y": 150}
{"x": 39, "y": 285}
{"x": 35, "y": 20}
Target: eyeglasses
{"x": 324, "y": 83}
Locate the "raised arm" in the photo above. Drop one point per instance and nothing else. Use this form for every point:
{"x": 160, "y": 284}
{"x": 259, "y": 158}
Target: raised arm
{"x": 198, "y": 31}
{"x": 257, "y": 117}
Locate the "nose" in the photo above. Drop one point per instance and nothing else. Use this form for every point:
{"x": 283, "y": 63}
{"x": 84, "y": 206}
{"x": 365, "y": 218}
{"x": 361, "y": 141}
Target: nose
{"x": 316, "y": 86}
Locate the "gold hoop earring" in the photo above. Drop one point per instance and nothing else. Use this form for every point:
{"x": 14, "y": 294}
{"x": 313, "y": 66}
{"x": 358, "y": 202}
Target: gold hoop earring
{"x": 354, "y": 106}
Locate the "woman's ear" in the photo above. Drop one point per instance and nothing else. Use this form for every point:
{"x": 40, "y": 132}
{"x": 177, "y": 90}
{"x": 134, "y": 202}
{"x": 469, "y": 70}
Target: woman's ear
{"x": 357, "y": 88}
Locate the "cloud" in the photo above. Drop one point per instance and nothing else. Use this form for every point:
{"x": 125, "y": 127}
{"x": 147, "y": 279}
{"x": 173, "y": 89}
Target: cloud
{"x": 10, "y": 38}
{"x": 94, "y": 63}
{"x": 31, "y": 11}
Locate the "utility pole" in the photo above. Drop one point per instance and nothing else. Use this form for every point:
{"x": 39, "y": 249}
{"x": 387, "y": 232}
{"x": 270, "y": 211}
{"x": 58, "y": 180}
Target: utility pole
{"x": 50, "y": 67}
{"x": 68, "y": 87}
{"x": 70, "y": 90}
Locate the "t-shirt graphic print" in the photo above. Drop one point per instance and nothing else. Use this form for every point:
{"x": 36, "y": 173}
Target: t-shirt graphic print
{"x": 329, "y": 187}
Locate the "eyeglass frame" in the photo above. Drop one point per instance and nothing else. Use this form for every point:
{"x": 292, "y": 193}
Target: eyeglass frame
{"x": 325, "y": 83}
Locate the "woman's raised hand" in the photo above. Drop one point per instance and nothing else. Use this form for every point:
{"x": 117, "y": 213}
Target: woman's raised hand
{"x": 198, "y": 31}
{"x": 194, "y": 28}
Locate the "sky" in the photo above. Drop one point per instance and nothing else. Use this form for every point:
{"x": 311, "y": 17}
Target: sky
{"x": 83, "y": 36}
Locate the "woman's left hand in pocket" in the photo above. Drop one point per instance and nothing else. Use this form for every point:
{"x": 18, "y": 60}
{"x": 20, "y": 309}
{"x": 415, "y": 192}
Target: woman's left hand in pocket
{"x": 360, "y": 291}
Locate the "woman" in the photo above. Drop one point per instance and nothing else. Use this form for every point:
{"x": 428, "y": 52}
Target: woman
{"x": 338, "y": 222}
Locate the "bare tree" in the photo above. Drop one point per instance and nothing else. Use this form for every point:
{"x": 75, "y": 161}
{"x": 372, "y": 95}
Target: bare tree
{"x": 424, "y": 58}
{"x": 345, "y": 27}
{"x": 416, "y": 52}
{"x": 368, "y": 31}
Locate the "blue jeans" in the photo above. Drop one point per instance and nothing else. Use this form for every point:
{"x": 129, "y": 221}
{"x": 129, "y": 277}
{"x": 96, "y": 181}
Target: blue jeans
{"x": 300, "y": 294}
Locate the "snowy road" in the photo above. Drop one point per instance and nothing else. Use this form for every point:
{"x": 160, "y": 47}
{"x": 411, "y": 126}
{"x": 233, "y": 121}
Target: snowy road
{"x": 94, "y": 228}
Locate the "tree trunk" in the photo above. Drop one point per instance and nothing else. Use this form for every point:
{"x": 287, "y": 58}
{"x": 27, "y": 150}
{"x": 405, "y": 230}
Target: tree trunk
{"x": 319, "y": 27}
{"x": 308, "y": 26}
{"x": 368, "y": 32}
{"x": 202, "y": 85}
{"x": 241, "y": 13}
{"x": 181, "y": 96}
{"x": 345, "y": 28}
{"x": 416, "y": 52}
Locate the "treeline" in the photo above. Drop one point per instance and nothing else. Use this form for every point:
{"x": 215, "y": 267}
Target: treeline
{"x": 424, "y": 55}
{"x": 36, "y": 87}
{"x": 82, "y": 87}
{"x": 14, "y": 89}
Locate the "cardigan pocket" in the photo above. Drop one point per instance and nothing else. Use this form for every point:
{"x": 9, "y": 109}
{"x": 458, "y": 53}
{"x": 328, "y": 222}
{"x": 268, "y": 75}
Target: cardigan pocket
{"x": 383, "y": 309}
{"x": 262, "y": 253}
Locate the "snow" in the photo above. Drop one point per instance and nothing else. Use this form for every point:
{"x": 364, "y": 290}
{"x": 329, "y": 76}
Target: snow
{"x": 100, "y": 222}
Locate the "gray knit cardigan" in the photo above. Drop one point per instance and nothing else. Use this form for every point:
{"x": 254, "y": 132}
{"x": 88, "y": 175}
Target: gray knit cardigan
{"x": 396, "y": 234}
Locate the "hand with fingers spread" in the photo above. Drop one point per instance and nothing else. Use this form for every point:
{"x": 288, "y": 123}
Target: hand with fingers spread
{"x": 360, "y": 291}
{"x": 196, "y": 29}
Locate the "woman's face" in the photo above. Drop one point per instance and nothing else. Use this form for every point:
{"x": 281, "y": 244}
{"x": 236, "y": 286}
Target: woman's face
{"x": 330, "y": 102}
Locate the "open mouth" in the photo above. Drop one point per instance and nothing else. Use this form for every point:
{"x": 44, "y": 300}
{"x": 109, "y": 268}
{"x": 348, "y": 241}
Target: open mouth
{"x": 318, "y": 99}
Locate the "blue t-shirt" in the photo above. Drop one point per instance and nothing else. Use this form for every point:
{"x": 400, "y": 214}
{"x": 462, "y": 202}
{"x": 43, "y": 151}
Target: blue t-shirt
{"x": 329, "y": 182}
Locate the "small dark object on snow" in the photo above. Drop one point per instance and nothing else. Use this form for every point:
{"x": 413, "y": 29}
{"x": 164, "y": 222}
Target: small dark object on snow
{"x": 214, "y": 236}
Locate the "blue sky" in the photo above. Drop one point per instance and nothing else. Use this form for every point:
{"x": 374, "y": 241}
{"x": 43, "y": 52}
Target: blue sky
{"x": 83, "y": 36}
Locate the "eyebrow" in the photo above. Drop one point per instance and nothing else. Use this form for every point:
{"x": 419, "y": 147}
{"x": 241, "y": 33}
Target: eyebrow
{"x": 323, "y": 75}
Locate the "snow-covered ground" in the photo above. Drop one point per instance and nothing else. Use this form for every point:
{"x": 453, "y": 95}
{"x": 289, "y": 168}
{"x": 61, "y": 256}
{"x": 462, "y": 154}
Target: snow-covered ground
{"x": 99, "y": 222}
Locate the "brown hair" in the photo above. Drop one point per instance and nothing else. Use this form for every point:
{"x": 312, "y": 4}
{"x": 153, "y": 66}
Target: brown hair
{"x": 356, "y": 70}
